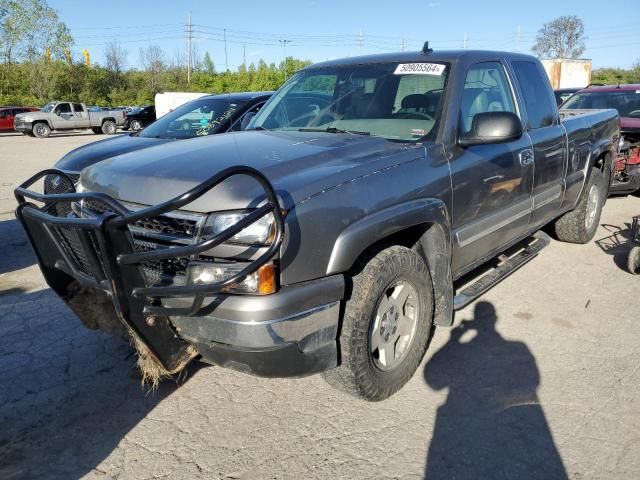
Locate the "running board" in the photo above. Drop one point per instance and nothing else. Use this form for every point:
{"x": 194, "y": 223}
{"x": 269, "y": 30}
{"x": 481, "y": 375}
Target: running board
{"x": 506, "y": 267}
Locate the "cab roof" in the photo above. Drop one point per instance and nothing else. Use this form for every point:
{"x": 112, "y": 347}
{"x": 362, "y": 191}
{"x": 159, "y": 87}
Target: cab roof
{"x": 446, "y": 56}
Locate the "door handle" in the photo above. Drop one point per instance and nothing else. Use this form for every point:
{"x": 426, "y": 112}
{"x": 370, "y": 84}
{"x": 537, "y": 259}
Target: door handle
{"x": 526, "y": 157}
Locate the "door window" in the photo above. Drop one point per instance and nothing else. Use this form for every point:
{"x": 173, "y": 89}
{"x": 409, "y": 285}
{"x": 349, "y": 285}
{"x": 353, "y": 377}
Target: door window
{"x": 63, "y": 108}
{"x": 535, "y": 89}
{"x": 486, "y": 89}
{"x": 78, "y": 108}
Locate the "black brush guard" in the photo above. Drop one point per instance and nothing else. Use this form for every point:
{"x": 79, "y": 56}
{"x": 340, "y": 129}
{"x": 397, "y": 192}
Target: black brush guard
{"x": 99, "y": 252}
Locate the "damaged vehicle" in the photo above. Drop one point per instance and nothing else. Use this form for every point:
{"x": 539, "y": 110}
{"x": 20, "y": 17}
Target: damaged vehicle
{"x": 626, "y": 100}
{"x": 367, "y": 200}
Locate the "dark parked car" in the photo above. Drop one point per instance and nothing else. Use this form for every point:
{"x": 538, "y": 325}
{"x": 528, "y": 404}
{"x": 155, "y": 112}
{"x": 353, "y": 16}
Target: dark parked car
{"x": 7, "y": 116}
{"x": 626, "y": 100}
{"x": 137, "y": 119}
{"x": 367, "y": 200}
{"x": 207, "y": 115}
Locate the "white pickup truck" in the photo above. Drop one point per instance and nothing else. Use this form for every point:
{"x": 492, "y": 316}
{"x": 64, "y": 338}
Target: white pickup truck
{"x": 67, "y": 116}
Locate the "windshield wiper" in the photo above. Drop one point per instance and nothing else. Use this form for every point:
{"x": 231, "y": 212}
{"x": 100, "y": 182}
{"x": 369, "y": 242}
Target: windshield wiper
{"x": 333, "y": 130}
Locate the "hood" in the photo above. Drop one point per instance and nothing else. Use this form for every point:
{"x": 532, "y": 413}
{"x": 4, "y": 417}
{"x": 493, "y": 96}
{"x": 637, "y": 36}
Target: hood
{"x": 298, "y": 164}
{"x": 82, "y": 157}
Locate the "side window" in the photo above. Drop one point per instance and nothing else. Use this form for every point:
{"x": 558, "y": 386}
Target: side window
{"x": 486, "y": 89}
{"x": 63, "y": 108}
{"x": 535, "y": 89}
{"x": 77, "y": 108}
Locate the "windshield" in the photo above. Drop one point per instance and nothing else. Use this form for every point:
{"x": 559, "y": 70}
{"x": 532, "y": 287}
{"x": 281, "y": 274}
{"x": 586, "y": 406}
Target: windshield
{"x": 401, "y": 102}
{"x": 48, "y": 107}
{"x": 627, "y": 102}
{"x": 199, "y": 117}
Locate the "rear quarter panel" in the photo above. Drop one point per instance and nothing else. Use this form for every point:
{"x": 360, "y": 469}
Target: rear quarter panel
{"x": 591, "y": 134}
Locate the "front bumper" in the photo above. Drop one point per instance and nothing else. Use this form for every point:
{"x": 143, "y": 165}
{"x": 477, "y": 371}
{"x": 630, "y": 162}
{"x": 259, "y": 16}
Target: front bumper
{"x": 290, "y": 333}
{"x": 23, "y": 127}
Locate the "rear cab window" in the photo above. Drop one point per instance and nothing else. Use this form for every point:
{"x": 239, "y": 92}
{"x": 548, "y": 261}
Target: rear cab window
{"x": 535, "y": 88}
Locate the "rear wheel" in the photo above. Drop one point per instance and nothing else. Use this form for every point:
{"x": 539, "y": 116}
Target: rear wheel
{"x": 580, "y": 224}
{"x": 109, "y": 127}
{"x": 386, "y": 326}
{"x": 41, "y": 130}
{"x": 633, "y": 262}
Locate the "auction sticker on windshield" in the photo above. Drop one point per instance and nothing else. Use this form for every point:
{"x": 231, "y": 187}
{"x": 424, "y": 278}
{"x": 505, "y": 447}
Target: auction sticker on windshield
{"x": 419, "y": 69}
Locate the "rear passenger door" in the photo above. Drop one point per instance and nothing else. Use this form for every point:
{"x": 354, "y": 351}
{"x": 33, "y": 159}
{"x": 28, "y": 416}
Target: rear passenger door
{"x": 6, "y": 119}
{"x": 81, "y": 116}
{"x": 548, "y": 138}
{"x": 491, "y": 183}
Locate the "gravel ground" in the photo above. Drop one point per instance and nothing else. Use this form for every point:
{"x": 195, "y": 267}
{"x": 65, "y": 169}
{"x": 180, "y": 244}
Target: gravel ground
{"x": 539, "y": 379}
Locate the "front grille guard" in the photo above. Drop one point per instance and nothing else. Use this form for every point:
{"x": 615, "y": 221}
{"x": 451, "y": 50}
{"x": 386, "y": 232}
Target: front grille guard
{"x": 113, "y": 249}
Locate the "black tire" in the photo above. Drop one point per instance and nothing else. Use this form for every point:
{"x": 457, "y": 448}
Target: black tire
{"x": 135, "y": 125}
{"x": 358, "y": 373}
{"x": 580, "y": 224}
{"x": 97, "y": 131}
{"x": 109, "y": 127}
{"x": 633, "y": 261}
{"x": 41, "y": 130}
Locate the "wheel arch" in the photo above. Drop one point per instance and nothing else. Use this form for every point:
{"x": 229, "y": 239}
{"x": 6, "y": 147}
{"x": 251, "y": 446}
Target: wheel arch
{"x": 422, "y": 225}
{"x": 108, "y": 119}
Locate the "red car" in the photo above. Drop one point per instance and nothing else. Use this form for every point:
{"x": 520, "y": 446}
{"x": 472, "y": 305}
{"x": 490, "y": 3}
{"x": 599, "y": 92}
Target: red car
{"x": 625, "y": 99}
{"x": 7, "y": 115}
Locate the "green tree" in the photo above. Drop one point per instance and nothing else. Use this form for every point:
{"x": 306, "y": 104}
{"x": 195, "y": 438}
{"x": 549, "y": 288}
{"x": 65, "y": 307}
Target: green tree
{"x": 208, "y": 64}
{"x": 28, "y": 27}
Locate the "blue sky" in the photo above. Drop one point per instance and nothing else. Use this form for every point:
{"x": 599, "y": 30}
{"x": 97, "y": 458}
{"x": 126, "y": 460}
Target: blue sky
{"x": 323, "y": 29}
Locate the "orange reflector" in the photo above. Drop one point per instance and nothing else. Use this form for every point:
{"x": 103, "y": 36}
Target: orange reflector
{"x": 267, "y": 279}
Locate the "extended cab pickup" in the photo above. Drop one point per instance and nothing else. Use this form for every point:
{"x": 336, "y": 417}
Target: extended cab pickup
{"x": 67, "y": 116}
{"x": 368, "y": 199}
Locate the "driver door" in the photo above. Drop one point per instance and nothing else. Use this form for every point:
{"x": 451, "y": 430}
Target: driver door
{"x": 63, "y": 118}
{"x": 492, "y": 183}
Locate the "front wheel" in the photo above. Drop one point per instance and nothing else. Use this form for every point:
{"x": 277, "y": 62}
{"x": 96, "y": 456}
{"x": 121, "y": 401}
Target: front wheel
{"x": 580, "y": 224}
{"x": 41, "y": 130}
{"x": 135, "y": 125}
{"x": 633, "y": 262}
{"x": 386, "y": 326}
{"x": 109, "y": 127}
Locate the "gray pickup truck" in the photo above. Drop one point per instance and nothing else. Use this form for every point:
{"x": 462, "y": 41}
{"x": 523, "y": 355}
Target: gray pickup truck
{"x": 57, "y": 116}
{"x": 368, "y": 199}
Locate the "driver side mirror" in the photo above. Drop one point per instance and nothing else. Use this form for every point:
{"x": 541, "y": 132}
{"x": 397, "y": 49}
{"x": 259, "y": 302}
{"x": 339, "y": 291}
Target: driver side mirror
{"x": 246, "y": 120}
{"x": 492, "y": 127}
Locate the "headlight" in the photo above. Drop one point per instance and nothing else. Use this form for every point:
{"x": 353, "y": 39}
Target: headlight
{"x": 621, "y": 143}
{"x": 260, "y": 232}
{"x": 261, "y": 282}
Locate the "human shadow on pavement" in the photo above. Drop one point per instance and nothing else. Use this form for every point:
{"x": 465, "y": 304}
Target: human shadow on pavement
{"x": 492, "y": 425}
{"x": 15, "y": 251}
{"x": 68, "y": 396}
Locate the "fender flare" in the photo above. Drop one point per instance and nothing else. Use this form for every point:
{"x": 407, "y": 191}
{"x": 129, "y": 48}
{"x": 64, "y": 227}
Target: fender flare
{"x": 434, "y": 245}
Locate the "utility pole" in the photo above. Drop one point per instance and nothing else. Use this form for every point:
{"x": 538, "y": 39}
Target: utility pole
{"x": 403, "y": 45}
{"x": 226, "y": 57}
{"x": 360, "y": 42}
{"x": 244, "y": 55}
{"x": 284, "y": 56}
{"x": 464, "y": 42}
{"x": 518, "y": 36}
{"x": 189, "y": 35}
